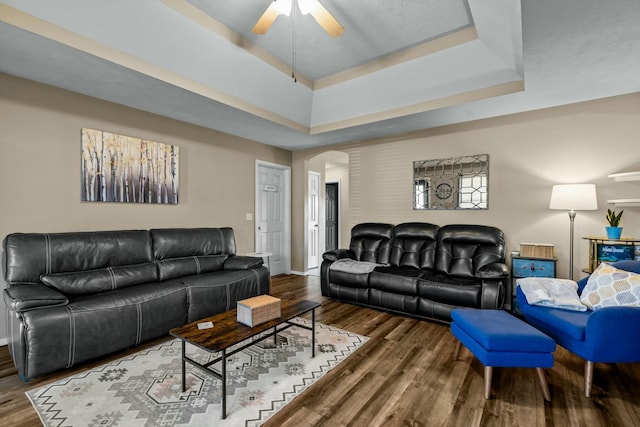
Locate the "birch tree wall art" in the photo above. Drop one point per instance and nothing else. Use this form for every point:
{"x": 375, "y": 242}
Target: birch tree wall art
{"x": 117, "y": 168}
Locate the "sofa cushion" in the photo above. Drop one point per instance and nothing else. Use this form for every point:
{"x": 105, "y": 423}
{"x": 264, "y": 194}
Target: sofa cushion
{"x": 394, "y": 301}
{"x": 609, "y": 286}
{"x": 184, "y": 242}
{"x": 556, "y": 321}
{"x": 464, "y": 249}
{"x": 27, "y": 256}
{"x": 371, "y": 242}
{"x": 395, "y": 280}
{"x": 349, "y": 280}
{"x": 186, "y": 266}
{"x": 212, "y": 293}
{"x": 101, "y": 280}
{"x": 448, "y": 290}
{"x": 414, "y": 245}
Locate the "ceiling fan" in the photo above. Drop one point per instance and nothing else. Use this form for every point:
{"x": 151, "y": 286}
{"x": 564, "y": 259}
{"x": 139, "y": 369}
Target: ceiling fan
{"x": 284, "y": 7}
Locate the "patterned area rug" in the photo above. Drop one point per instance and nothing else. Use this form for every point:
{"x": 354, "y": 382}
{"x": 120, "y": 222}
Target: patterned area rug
{"x": 144, "y": 389}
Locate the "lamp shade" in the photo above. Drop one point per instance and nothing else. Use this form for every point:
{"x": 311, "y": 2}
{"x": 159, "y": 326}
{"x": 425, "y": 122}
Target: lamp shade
{"x": 578, "y": 197}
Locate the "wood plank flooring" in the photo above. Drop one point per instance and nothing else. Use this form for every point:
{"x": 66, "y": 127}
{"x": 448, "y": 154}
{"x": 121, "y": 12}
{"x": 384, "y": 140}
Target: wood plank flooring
{"x": 405, "y": 376}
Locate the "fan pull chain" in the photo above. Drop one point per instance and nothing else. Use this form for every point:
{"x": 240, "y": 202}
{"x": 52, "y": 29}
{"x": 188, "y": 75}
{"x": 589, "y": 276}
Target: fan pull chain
{"x": 293, "y": 43}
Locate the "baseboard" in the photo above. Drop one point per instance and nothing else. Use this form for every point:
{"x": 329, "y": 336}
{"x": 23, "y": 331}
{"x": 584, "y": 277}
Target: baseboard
{"x": 298, "y": 273}
{"x": 4, "y": 341}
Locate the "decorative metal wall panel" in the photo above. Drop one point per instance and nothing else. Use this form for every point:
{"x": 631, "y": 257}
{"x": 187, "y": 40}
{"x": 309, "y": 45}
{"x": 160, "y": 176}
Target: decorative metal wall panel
{"x": 452, "y": 183}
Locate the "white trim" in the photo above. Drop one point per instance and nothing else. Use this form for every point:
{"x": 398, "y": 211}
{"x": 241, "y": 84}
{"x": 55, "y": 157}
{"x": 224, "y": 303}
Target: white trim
{"x": 298, "y": 273}
{"x": 287, "y": 209}
{"x": 319, "y": 216}
{"x": 4, "y": 341}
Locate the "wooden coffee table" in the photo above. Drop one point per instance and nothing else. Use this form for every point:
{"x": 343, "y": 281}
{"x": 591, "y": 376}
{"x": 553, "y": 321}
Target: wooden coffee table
{"x": 227, "y": 332}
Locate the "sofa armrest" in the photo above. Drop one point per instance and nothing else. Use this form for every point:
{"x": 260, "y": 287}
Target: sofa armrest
{"x": 337, "y": 254}
{"x": 495, "y": 270}
{"x": 22, "y": 298}
{"x": 492, "y": 295}
{"x": 615, "y": 331}
{"x": 243, "y": 262}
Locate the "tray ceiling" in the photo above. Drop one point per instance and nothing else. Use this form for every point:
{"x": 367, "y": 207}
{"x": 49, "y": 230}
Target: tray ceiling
{"x": 399, "y": 66}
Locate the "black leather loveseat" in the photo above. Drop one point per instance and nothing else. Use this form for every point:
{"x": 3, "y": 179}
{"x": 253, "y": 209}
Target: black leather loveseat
{"x": 419, "y": 269}
{"x": 72, "y": 297}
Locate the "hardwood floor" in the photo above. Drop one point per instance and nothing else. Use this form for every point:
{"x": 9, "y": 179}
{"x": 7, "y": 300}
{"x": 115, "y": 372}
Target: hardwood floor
{"x": 405, "y": 376}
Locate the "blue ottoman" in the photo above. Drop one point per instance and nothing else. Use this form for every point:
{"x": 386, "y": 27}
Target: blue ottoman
{"x": 499, "y": 339}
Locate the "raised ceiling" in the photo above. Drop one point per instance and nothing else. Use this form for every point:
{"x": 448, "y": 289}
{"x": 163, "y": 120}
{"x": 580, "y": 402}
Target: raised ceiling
{"x": 399, "y": 66}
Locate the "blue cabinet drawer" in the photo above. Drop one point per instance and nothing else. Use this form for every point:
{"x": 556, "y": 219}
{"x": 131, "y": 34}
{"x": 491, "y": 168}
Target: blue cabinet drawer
{"x": 527, "y": 267}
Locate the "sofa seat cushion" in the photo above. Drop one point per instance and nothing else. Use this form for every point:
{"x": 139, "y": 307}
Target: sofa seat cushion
{"x": 349, "y": 293}
{"x": 448, "y": 290}
{"x": 124, "y": 297}
{"x": 349, "y": 280}
{"x": 351, "y": 273}
{"x": 211, "y": 293}
{"x": 91, "y": 326}
{"x": 394, "y": 301}
{"x": 556, "y": 321}
{"x": 157, "y": 307}
{"x": 395, "y": 280}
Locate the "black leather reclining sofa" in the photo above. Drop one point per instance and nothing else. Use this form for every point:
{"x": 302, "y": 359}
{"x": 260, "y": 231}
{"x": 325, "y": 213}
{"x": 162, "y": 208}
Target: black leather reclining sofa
{"x": 72, "y": 297}
{"x": 419, "y": 269}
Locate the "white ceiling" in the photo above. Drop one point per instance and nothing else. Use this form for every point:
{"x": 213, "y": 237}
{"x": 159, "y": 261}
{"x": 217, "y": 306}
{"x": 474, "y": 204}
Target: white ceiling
{"x": 399, "y": 66}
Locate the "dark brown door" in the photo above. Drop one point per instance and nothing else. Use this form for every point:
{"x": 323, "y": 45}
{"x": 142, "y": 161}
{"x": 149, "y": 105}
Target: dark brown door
{"x": 331, "y": 226}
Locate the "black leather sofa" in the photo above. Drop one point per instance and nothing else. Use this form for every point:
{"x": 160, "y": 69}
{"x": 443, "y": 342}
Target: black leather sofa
{"x": 419, "y": 269}
{"x": 72, "y": 297}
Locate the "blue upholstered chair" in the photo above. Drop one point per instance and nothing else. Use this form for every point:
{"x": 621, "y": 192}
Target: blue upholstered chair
{"x": 607, "y": 335}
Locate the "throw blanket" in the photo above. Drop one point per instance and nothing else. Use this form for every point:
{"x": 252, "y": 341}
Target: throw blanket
{"x": 550, "y": 292}
{"x": 347, "y": 265}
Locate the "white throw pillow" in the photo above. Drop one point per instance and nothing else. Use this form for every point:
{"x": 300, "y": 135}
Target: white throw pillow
{"x": 551, "y": 292}
{"x": 609, "y": 286}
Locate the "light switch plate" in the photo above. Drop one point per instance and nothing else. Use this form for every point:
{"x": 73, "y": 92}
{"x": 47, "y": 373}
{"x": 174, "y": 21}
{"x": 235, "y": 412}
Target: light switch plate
{"x": 248, "y": 216}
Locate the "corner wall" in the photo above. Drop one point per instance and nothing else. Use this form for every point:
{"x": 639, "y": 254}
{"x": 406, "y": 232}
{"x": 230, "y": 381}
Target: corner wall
{"x": 40, "y": 178}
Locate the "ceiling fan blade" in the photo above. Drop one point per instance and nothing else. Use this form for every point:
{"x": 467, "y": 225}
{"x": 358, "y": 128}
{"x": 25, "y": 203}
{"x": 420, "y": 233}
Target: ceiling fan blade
{"x": 267, "y": 18}
{"x": 326, "y": 20}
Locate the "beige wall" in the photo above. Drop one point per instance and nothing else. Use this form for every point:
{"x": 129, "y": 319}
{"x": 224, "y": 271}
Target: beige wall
{"x": 40, "y": 178}
{"x": 528, "y": 153}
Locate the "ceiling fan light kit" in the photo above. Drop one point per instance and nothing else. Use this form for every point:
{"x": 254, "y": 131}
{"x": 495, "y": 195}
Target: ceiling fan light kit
{"x": 285, "y": 7}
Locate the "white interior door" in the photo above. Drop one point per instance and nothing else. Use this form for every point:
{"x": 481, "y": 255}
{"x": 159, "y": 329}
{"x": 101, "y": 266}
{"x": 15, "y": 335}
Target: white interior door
{"x": 313, "y": 222}
{"x": 272, "y": 215}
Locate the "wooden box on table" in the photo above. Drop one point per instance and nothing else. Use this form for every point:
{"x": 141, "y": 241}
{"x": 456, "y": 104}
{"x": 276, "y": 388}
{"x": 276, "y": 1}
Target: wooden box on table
{"x": 257, "y": 310}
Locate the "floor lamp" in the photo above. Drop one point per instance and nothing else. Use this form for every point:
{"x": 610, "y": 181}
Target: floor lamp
{"x": 573, "y": 197}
